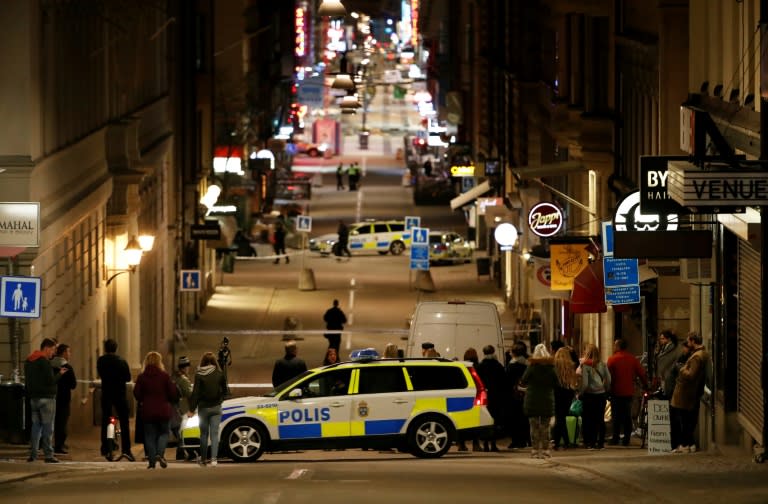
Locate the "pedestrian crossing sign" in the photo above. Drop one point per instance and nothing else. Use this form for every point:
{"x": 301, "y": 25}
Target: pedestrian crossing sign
{"x": 420, "y": 236}
{"x": 190, "y": 280}
{"x": 304, "y": 223}
{"x": 20, "y": 296}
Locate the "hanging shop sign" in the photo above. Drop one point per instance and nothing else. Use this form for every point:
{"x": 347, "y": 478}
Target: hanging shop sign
{"x": 20, "y": 224}
{"x": 629, "y": 218}
{"x": 654, "y": 197}
{"x": 463, "y": 170}
{"x": 693, "y": 187}
{"x": 545, "y": 219}
{"x": 566, "y": 262}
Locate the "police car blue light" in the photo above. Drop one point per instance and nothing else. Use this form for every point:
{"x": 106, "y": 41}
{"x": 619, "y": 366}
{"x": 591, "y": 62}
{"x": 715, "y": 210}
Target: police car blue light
{"x": 364, "y": 354}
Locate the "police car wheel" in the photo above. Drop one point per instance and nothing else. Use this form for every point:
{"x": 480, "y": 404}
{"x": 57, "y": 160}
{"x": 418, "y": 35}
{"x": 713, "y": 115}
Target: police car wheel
{"x": 396, "y": 247}
{"x": 244, "y": 440}
{"x": 429, "y": 436}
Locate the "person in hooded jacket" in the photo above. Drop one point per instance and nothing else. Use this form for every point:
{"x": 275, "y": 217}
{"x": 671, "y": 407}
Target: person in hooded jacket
{"x": 517, "y": 423}
{"x": 491, "y": 372}
{"x": 540, "y": 381}
{"x": 41, "y": 389}
{"x": 207, "y": 395}
{"x": 156, "y": 392}
{"x": 66, "y": 385}
{"x": 593, "y": 392}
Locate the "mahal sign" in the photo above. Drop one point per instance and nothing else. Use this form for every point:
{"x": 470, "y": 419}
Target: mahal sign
{"x": 19, "y": 224}
{"x": 545, "y": 219}
{"x": 691, "y": 186}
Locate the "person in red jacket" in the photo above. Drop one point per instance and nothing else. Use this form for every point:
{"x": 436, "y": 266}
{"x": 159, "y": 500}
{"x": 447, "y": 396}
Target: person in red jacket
{"x": 156, "y": 392}
{"x": 625, "y": 368}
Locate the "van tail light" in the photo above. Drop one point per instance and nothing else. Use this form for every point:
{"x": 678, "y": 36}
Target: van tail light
{"x": 481, "y": 396}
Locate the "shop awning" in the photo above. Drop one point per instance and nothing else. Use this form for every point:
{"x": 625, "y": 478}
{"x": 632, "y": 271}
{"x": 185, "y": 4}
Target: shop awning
{"x": 471, "y": 195}
{"x": 549, "y": 170}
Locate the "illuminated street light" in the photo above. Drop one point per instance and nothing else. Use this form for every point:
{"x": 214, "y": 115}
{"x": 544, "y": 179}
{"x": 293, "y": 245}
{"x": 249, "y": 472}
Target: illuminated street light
{"x": 333, "y": 8}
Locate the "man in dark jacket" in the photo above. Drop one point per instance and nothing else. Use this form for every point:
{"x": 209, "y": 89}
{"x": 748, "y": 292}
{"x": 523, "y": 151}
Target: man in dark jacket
{"x": 492, "y": 374}
{"x": 334, "y": 321}
{"x": 114, "y": 374}
{"x": 41, "y": 387}
{"x": 66, "y": 385}
{"x": 289, "y": 366}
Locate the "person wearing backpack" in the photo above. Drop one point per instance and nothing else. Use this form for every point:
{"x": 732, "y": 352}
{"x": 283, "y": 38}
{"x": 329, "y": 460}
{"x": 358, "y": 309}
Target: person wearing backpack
{"x": 595, "y": 382}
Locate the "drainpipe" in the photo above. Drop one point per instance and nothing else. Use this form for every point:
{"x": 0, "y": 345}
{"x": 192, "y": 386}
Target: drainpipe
{"x": 764, "y": 213}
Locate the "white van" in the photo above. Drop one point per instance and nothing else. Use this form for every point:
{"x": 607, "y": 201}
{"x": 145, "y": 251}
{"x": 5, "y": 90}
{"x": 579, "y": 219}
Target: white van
{"x": 454, "y": 326}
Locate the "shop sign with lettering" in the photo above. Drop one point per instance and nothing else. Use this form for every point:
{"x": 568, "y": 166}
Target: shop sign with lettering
{"x": 463, "y": 170}
{"x": 629, "y": 218}
{"x": 545, "y": 219}
{"x": 691, "y": 186}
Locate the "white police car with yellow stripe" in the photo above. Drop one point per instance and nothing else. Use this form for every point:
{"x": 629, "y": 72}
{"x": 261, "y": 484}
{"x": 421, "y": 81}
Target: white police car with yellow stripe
{"x": 414, "y": 405}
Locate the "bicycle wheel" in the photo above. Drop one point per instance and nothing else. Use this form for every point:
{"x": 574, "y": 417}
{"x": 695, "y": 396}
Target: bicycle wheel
{"x": 643, "y": 424}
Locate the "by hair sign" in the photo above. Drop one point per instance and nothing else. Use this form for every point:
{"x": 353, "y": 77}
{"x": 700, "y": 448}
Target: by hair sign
{"x": 545, "y": 219}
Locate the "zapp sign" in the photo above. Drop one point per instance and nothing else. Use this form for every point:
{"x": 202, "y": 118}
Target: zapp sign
{"x": 545, "y": 219}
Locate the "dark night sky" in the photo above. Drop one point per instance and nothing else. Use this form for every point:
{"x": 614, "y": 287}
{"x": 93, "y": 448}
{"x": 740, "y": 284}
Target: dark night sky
{"x": 374, "y": 8}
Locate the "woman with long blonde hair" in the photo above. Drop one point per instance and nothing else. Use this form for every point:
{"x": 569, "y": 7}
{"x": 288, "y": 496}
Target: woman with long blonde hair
{"x": 567, "y": 383}
{"x": 593, "y": 392}
{"x": 155, "y": 392}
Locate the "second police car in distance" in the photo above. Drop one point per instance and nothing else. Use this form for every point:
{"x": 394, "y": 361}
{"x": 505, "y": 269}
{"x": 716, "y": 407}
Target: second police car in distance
{"x": 414, "y": 405}
{"x": 380, "y": 236}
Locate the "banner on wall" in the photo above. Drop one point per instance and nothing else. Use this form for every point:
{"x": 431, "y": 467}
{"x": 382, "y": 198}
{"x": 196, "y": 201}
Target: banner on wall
{"x": 567, "y": 260}
{"x": 541, "y": 284}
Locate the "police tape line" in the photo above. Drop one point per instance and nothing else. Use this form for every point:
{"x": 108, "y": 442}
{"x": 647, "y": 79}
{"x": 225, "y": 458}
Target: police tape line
{"x": 93, "y": 383}
{"x": 252, "y": 332}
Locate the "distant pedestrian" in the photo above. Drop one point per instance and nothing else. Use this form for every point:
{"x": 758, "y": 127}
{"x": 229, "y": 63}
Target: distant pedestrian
{"x": 41, "y": 388}
{"x": 67, "y": 383}
{"x": 391, "y": 351}
{"x": 334, "y": 319}
{"x": 665, "y": 357}
{"x": 289, "y": 366}
{"x": 565, "y": 391}
{"x": 331, "y": 357}
{"x": 207, "y": 395}
{"x": 625, "y": 369}
{"x": 689, "y": 387}
{"x": 491, "y": 373}
{"x": 353, "y": 176}
{"x": 114, "y": 374}
{"x": 224, "y": 358}
{"x": 593, "y": 391}
{"x": 156, "y": 392}
{"x": 184, "y": 387}
{"x": 341, "y": 247}
{"x": 278, "y": 237}
{"x": 428, "y": 347}
{"x": 540, "y": 381}
{"x": 340, "y": 177}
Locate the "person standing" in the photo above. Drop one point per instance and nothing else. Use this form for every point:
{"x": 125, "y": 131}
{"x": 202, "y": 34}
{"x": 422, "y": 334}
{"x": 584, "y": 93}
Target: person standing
{"x": 67, "y": 383}
{"x": 114, "y": 374}
{"x": 207, "y": 395}
{"x": 517, "y": 423}
{"x": 184, "y": 388}
{"x": 491, "y": 373}
{"x": 352, "y": 176}
{"x": 41, "y": 385}
{"x": 342, "y": 245}
{"x": 625, "y": 369}
{"x": 289, "y": 366}
{"x": 156, "y": 392}
{"x": 331, "y": 357}
{"x": 334, "y": 319}
{"x": 667, "y": 353}
{"x": 224, "y": 358}
{"x": 279, "y": 242}
{"x": 689, "y": 387}
{"x": 540, "y": 381}
{"x": 470, "y": 355}
{"x": 595, "y": 382}
{"x": 564, "y": 394}
{"x": 340, "y": 177}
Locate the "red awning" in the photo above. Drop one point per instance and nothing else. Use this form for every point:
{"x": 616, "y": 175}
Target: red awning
{"x": 588, "y": 294}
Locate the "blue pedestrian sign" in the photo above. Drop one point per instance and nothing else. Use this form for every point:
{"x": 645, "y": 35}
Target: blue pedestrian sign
{"x": 190, "y": 280}
{"x": 412, "y": 222}
{"x": 304, "y": 223}
{"x": 20, "y": 296}
{"x": 420, "y": 249}
{"x": 420, "y": 236}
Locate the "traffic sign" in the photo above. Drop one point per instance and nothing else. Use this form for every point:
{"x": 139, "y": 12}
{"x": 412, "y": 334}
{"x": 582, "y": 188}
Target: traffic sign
{"x": 420, "y": 236}
{"x": 412, "y": 222}
{"x": 20, "y": 296}
{"x": 618, "y": 272}
{"x": 190, "y": 280}
{"x": 304, "y": 223}
{"x": 626, "y": 294}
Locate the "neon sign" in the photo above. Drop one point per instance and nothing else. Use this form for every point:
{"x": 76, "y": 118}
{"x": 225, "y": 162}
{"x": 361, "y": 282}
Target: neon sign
{"x": 414, "y": 22}
{"x": 301, "y": 32}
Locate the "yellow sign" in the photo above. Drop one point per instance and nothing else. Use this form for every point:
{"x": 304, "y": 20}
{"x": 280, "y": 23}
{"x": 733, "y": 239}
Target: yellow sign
{"x": 566, "y": 262}
{"x": 463, "y": 170}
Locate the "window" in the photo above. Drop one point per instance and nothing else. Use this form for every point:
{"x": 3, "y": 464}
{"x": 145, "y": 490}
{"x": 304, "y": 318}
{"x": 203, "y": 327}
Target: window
{"x": 332, "y": 383}
{"x": 437, "y": 377}
{"x": 363, "y": 230}
{"x": 397, "y": 227}
{"x": 380, "y": 228}
{"x": 380, "y": 380}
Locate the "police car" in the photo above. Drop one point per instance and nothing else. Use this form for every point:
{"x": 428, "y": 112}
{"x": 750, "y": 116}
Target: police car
{"x": 380, "y": 236}
{"x": 415, "y": 405}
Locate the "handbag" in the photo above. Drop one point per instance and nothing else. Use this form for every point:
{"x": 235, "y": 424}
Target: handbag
{"x": 576, "y": 408}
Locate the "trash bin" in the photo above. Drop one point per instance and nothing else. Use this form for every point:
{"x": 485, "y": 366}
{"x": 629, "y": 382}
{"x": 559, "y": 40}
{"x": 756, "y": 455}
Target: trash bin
{"x": 228, "y": 262}
{"x": 483, "y": 266}
{"x": 15, "y": 423}
{"x": 363, "y": 137}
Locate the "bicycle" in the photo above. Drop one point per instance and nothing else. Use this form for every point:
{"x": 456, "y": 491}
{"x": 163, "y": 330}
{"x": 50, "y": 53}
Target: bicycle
{"x": 113, "y": 440}
{"x": 642, "y": 417}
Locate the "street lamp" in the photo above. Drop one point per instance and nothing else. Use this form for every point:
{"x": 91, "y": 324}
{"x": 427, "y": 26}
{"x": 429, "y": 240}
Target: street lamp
{"x": 132, "y": 252}
{"x": 333, "y": 8}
